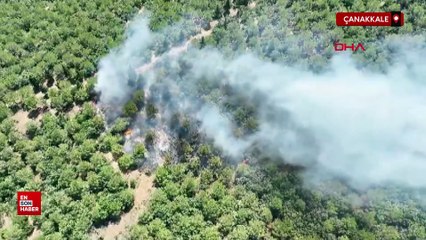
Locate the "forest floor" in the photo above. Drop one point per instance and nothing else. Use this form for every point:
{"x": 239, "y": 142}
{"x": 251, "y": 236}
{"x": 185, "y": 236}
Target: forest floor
{"x": 21, "y": 118}
{"x": 6, "y": 221}
{"x": 143, "y": 191}
{"x": 35, "y": 235}
{"x": 175, "y": 51}
{"x": 74, "y": 110}
{"x": 145, "y": 184}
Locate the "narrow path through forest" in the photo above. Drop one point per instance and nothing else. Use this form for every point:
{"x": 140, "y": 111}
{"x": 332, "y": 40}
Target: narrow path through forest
{"x": 143, "y": 191}
{"x": 175, "y": 51}
{"x": 145, "y": 184}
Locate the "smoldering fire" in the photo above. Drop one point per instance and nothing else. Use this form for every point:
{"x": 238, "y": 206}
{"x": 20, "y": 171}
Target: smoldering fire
{"x": 369, "y": 128}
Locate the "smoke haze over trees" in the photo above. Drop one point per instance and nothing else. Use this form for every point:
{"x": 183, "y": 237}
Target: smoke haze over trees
{"x": 354, "y": 123}
{"x": 257, "y": 111}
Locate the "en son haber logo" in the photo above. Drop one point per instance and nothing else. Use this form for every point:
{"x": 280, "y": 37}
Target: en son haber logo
{"x": 28, "y": 203}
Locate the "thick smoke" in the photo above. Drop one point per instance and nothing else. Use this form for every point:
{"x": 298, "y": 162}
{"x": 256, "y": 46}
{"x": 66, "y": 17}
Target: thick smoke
{"x": 116, "y": 68}
{"x": 366, "y": 127}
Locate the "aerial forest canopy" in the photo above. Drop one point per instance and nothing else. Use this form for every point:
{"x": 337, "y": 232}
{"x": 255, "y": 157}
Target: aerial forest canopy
{"x": 56, "y": 136}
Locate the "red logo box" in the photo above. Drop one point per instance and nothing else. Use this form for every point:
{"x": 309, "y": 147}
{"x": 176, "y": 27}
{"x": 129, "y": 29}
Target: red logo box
{"x": 28, "y": 203}
{"x": 385, "y": 19}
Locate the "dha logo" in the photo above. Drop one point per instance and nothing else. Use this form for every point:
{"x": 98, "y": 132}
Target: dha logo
{"x": 28, "y": 203}
{"x": 338, "y": 47}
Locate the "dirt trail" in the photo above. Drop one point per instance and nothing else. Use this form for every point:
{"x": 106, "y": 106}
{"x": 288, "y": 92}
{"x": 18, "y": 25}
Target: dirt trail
{"x": 6, "y": 222}
{"x": 35, "y": 235}
{"x": 142, "y": 194}
{"x": 145, "y": 184}
{"x": 176, "y": 51}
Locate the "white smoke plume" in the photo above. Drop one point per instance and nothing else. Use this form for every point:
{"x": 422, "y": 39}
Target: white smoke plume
{"x": 366, "y": 127}
{"x": 116, "y": 67}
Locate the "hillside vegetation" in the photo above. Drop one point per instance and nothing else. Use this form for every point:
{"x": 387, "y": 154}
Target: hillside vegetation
{"x": 48, "y": 57}
{"x": 53, "y": 138}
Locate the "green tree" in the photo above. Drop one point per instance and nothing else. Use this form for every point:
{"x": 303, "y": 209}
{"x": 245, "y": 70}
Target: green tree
{"x": 256, "y": 229}
{"x": 227, "y": 7}
{"x": 130, "y": 109}
{"x": 226, "y": 223}
{"x": 139, "y": 151}
{"x": 283, "y": 229}
{"x": 139, "y": 98}
{"x": 217, "y": 13}
{"x": 151, "y": 110}
{"x": 239, "y": 233}
{"x": 150, "y": 138}
{"x": 126, "y": 162}
{"x": 139, "y": 232}
{"x": 120, "y": 126}
{"x": 4, "y": 112}
{"x": 210, "y": 233}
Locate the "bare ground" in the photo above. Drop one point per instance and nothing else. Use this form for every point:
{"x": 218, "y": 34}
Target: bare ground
{"x": 113, "y": 163}
{"x": 144, "y": 188}
{"x": 233, "y": 12}
{"x": 21, "y": 118}
{"x": 40, "y": 95}
{"x": 175, "y": 51}
{"x": 35, "y": 235}
{"x": 6, "y": 221}
{"x": 74, "y": 111}
{"x": 252, "y": 5}
{"x": 145, "y": 184}
{"x": 36, "y": 232}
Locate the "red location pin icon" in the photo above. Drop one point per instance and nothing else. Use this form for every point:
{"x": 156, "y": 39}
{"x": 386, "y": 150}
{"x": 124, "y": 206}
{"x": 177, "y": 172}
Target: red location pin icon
{"x": 395, "y": 18}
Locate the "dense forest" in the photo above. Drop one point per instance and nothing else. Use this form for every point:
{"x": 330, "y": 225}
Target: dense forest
{"x": 54, "y": 139}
